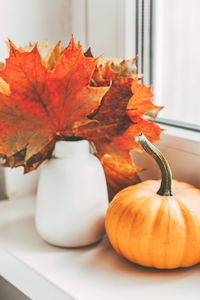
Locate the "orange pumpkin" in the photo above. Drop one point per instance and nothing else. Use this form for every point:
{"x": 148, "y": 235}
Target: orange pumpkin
{"x": 156, "y": 226}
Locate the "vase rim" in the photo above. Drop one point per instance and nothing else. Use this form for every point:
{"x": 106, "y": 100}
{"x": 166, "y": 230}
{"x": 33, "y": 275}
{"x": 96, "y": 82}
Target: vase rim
{"x": 72, "y": 141}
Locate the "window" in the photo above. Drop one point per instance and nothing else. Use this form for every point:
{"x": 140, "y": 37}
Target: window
{"x": 176, "y": 59}
{"x": 168, "y": 46}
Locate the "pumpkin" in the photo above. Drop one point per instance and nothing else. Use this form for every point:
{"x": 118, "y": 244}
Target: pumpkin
{"x": 156, "y": 223}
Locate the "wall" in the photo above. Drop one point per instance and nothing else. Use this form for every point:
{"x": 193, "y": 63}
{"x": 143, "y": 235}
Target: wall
{"x": 25, "y": 21}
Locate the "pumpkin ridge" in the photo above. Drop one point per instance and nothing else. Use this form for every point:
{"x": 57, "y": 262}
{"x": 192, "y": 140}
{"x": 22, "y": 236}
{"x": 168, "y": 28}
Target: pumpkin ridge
{"x": 185, "y": 212}
{"x": 155, "y": 227}
{"x": 141, "y": 203}
{"x": 123, "y": 212}
{"x": 114, "y": 205}
{"x": 117, "y": 230}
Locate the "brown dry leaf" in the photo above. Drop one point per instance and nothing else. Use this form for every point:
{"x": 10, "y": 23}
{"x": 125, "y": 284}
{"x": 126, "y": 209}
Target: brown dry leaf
{"x": 114, "y": 68}
{"x": 154, "y": 113}
{"x": 50, "y": 54}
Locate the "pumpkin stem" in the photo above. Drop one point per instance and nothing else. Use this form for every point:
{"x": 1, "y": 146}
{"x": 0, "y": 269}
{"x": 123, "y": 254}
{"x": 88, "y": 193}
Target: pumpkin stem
{"x": 166, "y": 174}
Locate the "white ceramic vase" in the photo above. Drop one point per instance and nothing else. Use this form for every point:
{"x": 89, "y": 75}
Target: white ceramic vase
{"x": 72, "y": 196}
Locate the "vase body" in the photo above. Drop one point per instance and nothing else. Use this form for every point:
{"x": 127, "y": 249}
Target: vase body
{"x": 72, "y": 196}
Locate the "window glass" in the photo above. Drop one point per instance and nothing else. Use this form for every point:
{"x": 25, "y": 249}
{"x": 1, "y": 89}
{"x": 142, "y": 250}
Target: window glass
{"x": 176, "y": 59}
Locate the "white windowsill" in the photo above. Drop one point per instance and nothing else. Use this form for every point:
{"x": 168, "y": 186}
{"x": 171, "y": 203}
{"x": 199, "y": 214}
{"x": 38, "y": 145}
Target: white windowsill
{"x": 42, "y": 271}
{"x": 187, "y": 140}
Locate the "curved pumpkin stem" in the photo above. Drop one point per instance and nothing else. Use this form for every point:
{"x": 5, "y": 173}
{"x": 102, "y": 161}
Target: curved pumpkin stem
{"x": 166, "y": 174}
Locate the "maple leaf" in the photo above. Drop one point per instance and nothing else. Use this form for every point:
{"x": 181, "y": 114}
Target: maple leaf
{"x": 44, "y": 106}
{"x": 119, "y": 114}
{"x": 50, "y": 56}
{"x": 118, "y": 121}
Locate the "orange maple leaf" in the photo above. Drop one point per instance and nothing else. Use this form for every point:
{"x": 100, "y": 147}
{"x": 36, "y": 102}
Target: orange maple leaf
{"x": 44, "y": 105}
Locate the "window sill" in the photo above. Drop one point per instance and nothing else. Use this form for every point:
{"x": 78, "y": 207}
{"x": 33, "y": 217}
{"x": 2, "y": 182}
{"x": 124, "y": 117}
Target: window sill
{"x": 183, "y": 139}
{"x": 41, "y": 271}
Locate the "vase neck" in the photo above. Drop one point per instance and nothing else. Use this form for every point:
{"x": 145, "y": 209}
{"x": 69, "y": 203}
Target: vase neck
{"x": 69, "y": 149}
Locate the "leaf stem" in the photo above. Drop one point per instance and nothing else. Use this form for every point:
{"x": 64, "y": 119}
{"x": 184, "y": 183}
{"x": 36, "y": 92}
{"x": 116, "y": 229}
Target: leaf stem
{"x": 166, "y": 174}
